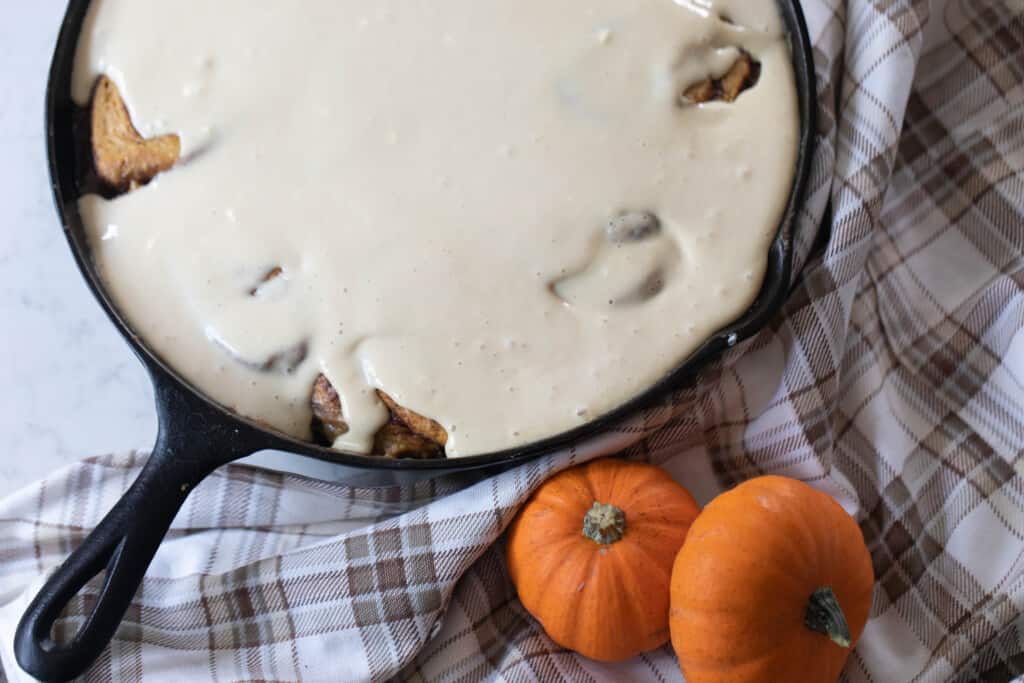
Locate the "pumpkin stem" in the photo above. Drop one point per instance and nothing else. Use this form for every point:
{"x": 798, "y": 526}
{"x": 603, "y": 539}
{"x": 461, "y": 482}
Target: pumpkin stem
{"x": 825, "y": 616}
{"x": 604, "y": 524}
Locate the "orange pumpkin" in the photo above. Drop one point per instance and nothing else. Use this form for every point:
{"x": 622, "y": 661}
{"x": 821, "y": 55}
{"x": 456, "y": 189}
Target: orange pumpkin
{"x": 773, "y": 584}
{"x": 591, "y": 555}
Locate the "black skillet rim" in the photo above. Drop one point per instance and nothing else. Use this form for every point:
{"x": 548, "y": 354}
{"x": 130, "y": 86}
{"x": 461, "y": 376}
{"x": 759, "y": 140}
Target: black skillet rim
{"x": 62, "y": 157}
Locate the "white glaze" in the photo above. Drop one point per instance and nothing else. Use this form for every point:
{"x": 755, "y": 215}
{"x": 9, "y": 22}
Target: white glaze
{"x": 435, "y": 179}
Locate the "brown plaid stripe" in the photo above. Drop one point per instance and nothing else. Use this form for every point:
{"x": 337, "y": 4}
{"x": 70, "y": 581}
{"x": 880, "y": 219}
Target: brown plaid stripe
{"x": 894, "y": 380}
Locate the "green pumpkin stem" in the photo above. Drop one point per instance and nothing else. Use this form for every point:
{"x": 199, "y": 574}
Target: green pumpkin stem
{"x": 825, "y": 616}
{"x": 604, "y": 524}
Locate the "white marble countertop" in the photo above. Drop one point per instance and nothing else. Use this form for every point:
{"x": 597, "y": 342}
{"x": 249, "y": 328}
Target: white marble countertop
{"x": 69, "y": 385}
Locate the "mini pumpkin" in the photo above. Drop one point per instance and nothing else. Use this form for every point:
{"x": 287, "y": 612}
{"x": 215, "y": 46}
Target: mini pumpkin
{"x": 591, "y": 555}
{"x": 773, "y": 584}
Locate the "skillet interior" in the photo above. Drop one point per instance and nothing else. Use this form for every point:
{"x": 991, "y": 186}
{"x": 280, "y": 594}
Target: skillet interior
{"x": 69, "y": 163}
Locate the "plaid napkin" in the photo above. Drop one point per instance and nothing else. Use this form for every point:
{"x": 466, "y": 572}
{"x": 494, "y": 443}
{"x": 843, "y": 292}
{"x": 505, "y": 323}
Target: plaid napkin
{"x": 894, "y": 381}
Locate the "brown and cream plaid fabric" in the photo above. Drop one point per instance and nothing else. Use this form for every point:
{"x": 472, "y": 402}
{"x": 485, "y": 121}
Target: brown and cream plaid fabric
{"x": 894, "y": 380}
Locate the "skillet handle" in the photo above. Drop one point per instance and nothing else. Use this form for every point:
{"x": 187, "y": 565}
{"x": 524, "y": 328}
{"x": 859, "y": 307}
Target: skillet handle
{"x": 126, "y": 540}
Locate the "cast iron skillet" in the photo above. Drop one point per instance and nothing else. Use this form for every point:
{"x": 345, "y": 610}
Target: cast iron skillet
{"x": 197, "y": 436}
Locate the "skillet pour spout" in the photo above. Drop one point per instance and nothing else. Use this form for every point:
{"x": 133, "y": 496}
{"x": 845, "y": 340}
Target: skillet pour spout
{"x": 196, "y": 436}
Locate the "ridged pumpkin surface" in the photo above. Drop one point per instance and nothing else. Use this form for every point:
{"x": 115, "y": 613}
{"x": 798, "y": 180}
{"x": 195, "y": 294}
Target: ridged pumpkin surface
{"x": 742, "y": 583}
{"x": 607, "y": 602}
